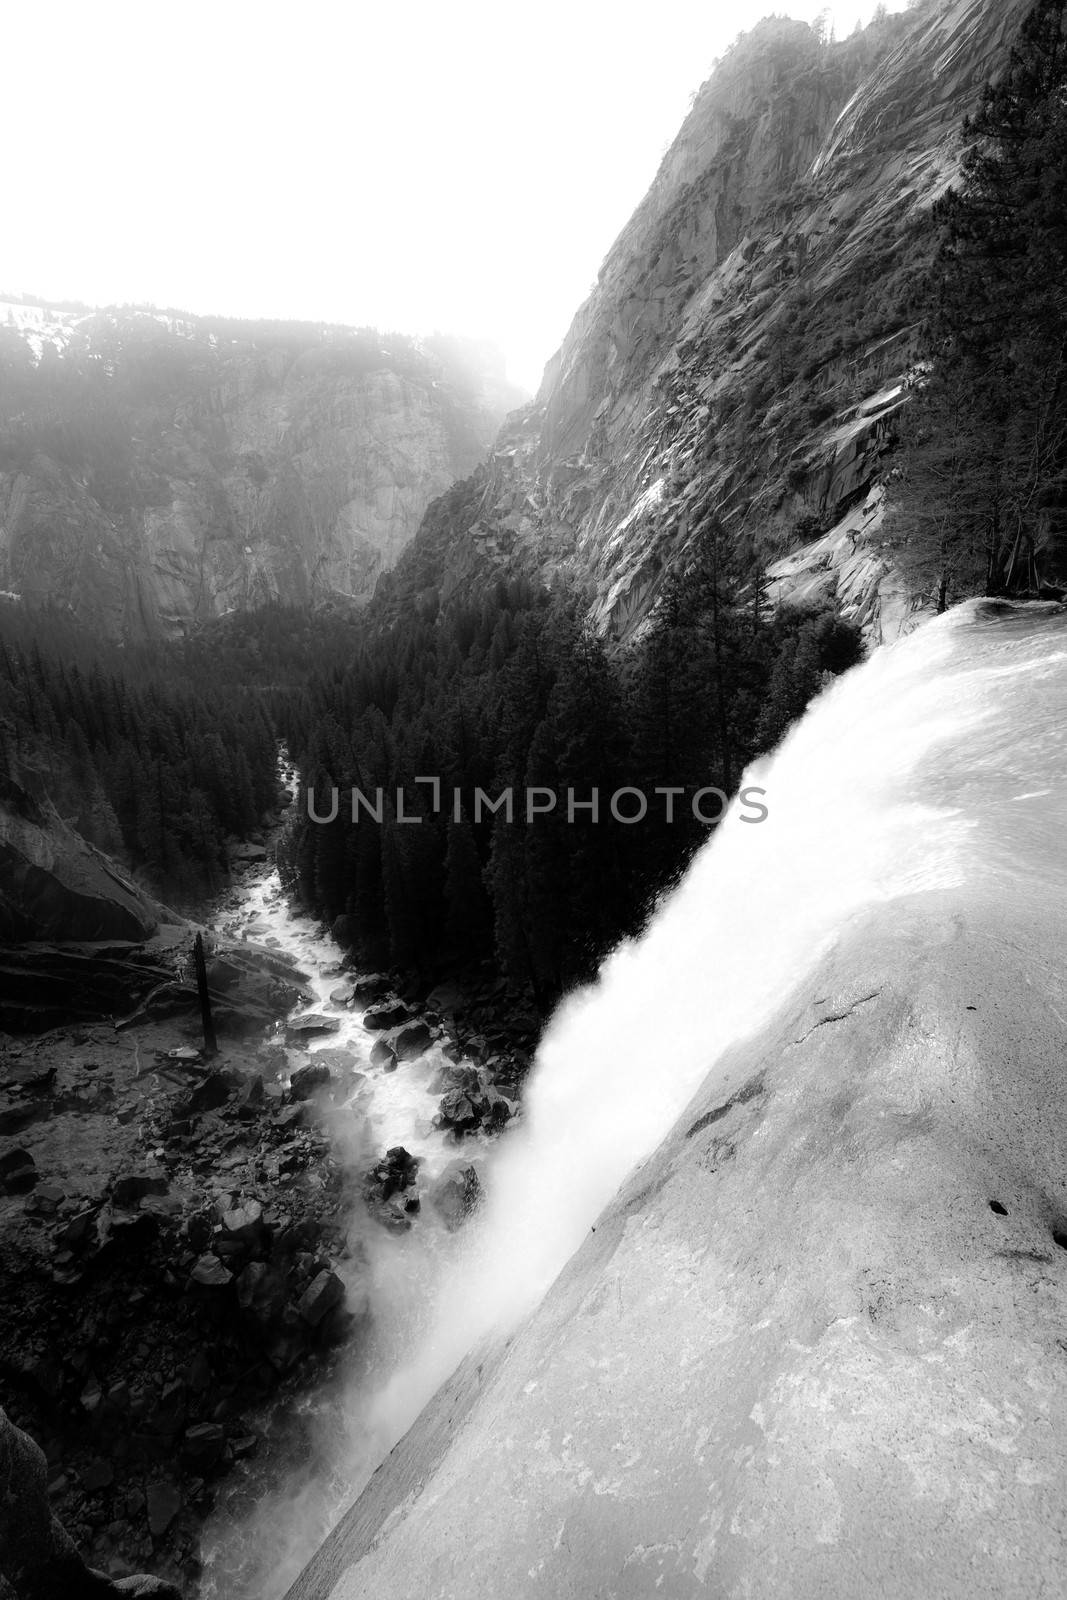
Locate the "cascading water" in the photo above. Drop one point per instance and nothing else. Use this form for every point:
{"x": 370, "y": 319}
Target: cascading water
{"x": 861, "y": 810}
{"x": 913, "y": 773}
{"x": 256, "y": 1553}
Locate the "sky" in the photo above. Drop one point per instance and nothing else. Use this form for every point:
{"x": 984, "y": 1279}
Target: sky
{"x": 461, "y": 165}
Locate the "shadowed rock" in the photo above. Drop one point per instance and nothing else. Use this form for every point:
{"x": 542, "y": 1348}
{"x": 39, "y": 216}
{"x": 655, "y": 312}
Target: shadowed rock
{"x": 38, "y": 1559}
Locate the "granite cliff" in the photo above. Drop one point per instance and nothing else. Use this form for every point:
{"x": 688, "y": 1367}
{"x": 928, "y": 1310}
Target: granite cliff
{"x": 750, "y": 338}
{"x": 159, "y": 469}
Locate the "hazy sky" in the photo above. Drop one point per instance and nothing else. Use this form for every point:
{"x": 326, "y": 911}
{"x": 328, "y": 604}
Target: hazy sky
{"x": 463, "y": 164}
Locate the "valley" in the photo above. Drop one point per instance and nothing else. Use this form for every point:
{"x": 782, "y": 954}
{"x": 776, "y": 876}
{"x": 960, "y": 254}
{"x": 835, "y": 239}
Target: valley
{"x": 577, "y": 1199}
{"x": 234, "y": 1230}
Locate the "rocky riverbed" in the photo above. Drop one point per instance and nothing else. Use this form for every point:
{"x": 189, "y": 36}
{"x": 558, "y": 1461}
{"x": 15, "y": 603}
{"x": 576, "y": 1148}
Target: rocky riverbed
{"x": 193, "y": 1249}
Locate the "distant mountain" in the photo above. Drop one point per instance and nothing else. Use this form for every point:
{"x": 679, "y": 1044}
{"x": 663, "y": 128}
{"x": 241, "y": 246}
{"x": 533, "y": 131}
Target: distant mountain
{"x": 158, "y": 468}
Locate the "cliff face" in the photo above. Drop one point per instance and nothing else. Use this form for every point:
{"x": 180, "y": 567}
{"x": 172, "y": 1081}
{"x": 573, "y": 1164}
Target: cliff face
{"x": 53, "y": 885}
{"x": 155, "y": 470}
{"x": 749, "y": 339}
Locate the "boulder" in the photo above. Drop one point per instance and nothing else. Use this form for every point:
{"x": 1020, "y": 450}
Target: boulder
{"x": 297, "y": 1115}
{"x": 247, "y": 854}
{"x": 209, "y": 1273}
{"x": 389, "y": 1188}
{"x": 401, "y": 1166}
{"x": 78, "y": 1231}
{"x": 369, "y": 987}
{"x": 472, "y": 1103}
{"x": 203, "y": 1443}
{"x": 251, "y": 1096}
{"x": 411, "y": 1040}
{"x": 130, "y": 1189}
{"x": 242, "y": 1224}
{"x": 456, "y": 1193}
{"x": 342, "y": 995}
{"x": 307, "y": 1081}
{"x": 457, "y": 1111}
{"x": 496, "y": 1108}
{"x": 262, "y": 1292}
{"x": 342, "y": 1063}
{"x": 383, "y": 1055}
{"x": 46, "y": 1199}
{"x": 387, "y": 1016}
{"x": 212, "y": 1092}
{"x": 299, "y": 1029}
{"x": 18, "y": 1172}
{"x": 163, "y": 1502}
{"x": 321, "y": 1295}
{"x": 254, "y": 987}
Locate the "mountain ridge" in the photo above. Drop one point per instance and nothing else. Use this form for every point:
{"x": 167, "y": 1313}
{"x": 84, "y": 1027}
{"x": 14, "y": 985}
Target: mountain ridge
{"x": 159, "y": 469}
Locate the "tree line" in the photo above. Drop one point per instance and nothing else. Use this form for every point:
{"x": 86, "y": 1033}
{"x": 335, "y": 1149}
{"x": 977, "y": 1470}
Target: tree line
{"x": 981, "y": 505}
{"x": 143, "y": 763}
{"x": 513, "y": 691}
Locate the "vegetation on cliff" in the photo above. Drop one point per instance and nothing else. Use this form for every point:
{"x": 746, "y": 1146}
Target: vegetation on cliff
{"x": 514, "y": 692}
{"x": 147, "y": 765}
{"x": 982, "y": 498}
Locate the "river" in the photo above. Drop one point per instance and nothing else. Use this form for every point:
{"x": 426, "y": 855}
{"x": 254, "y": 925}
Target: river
{"x": 262, "y": 1532}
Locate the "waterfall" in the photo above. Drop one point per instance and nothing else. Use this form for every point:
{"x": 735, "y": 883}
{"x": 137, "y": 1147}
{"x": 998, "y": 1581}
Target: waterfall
{"x": 872, "y": 795}
{"x": 915, "y": 772}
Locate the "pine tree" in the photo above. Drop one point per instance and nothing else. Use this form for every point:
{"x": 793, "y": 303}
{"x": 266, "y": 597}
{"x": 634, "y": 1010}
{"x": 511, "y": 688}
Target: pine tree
{"x": 468, "y": 917}
{"x": 983, "y": 504}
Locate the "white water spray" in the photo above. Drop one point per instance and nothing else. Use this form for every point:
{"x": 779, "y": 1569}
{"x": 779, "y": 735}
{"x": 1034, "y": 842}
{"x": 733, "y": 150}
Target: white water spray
{"x": 869, "y": 799}
{"x": 861, "y": 812}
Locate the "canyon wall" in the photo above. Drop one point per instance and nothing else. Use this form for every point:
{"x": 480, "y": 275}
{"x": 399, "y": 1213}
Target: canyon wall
{"x": 158, "y": 470}
{"x": 751, "y": 336}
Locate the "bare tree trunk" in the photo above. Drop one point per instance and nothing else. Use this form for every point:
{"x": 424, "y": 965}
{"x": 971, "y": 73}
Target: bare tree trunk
{"x": 211, "y": 1047}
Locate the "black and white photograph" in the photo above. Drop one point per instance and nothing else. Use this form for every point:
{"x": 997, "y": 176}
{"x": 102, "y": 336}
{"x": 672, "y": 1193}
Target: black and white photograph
{"x": 533, "y": 837}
